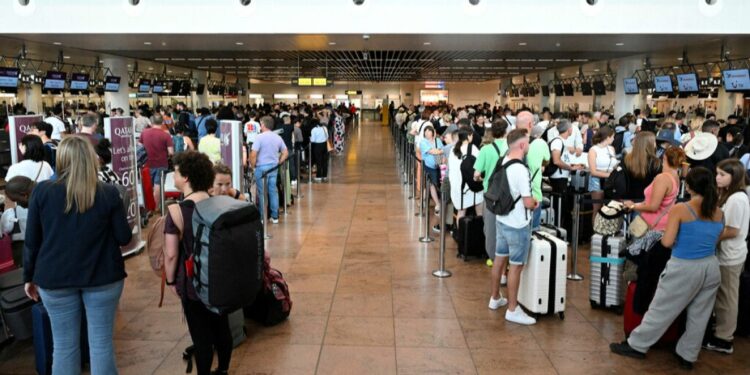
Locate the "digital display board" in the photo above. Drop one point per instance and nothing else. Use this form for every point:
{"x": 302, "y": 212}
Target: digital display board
{"x": 79, "y": 82}
{"x": 687, "y": 82}
{"x": 112, "y": 84}
{"x": 144, "y": 85}
{"x": 54, "y": 81}
{"x": 736, "y": 80}
{"x": 9, "y": 77}
{"x": 630, "y": 85}
{"x": 663, "y": 84}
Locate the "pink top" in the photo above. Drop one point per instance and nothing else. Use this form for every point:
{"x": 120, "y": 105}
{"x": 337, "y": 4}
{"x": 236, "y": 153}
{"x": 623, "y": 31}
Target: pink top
{"x": 666, "y": 204}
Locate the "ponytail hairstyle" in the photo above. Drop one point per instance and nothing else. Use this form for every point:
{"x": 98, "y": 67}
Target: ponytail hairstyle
{"x": 463, "y": 135}
{"x": 734, "y": 168}
{"x": 701, "y": 181}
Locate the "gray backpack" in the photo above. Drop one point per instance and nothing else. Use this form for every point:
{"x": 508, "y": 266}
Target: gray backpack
{"x": 227, "y": 253}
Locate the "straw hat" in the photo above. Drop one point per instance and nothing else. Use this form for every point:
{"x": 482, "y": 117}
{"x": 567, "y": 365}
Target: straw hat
{"x": 702, "y": 146}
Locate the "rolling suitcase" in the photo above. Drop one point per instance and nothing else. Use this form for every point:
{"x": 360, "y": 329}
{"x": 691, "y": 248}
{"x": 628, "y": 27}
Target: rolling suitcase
{"x": 543, "y": 281}
{"x": 43, "y": 340}
{"x": 631, "y": 319}
{"x": 552, "y": 230}
{"x": 237, "y": 327}
{"x": 16, "y": 311}
{"x": 607, "y": 289}
{"x": 743, "y": 318}
{"x": 470, "y": 238}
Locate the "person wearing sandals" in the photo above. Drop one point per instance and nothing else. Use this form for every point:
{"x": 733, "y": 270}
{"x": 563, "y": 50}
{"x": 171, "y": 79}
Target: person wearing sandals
{"x": 692, "y": 277}
{"x": 432, "y": 150}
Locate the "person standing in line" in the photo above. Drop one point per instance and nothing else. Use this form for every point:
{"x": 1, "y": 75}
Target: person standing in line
{"x": 159, "y": 147}
{"x": 432, "y": 155}
{"x": 602, "y": 161}
{"x": 268, "y": 151}
{"x": 692, "y": 276}
{"x": 141, "y": 122}
{"x": 513, "y": 230}
{"x": 44, "y": 131}
{"x": 33, "y": 165}
{"x": 318, "y": 142}
{"x": 72, "y": 257}
{"x": 559, "y": 180}
{"x": 536, "y": 158}
{"x": 58, "y": 126}
{"x": 338, "y": 135}
{"x": 210, "y": 144}
{"x": 732, "y": 254}
{"x": 89, "y": 126}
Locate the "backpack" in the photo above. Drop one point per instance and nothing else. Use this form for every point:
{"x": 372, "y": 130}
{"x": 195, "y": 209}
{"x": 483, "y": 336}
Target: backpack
{"x": 273, "y": 303}
{"x": 467, "y": 173}
{"x": 179, "y": 143}
{"x": 141, "y": 155}
{"x": 227, "y": 253}
{"x": 498, "y": 196}
{"x": 616, "y": 185}
{"x": 552, "y": 168}
{"x": 156, "y": 242}
{"x": 618, "y": 142}
{"x": 50, "y": 150}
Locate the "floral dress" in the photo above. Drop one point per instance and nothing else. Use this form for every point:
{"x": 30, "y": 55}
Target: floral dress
{"x": 338, "y": 135}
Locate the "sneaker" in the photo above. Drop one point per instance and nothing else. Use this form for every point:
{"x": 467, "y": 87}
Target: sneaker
{"x": 624, "y": 349}
{"x": 519, "y": 317}
{"x": 684, "y": 364}
{"x": 437, "y": 212}
{"x": 489, "y": 263}
{"x": 275, "y": 221}
{"x": 317, "y": 179}
{"x": 498, "y": 303}
{"x": 504, "y": 280}
{"x": 719, "y": 345}
{"x": 294, "y": 182}
{"x": 436, "y": 228}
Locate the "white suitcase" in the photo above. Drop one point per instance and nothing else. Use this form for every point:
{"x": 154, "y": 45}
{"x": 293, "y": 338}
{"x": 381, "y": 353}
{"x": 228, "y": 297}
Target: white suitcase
{"x": 543, "y": 283}
{"x": 552, "y": 230}
{"x": 607, "y": 288}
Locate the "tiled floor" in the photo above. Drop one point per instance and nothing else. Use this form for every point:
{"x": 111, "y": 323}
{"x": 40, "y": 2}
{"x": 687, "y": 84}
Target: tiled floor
{"x": 366, "y": 303}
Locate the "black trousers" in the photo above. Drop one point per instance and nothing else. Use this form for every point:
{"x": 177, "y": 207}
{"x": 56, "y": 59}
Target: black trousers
{"x": 209, "y": 331}
{"x": 320, "y": 158}
{"x": 560, "y": 185}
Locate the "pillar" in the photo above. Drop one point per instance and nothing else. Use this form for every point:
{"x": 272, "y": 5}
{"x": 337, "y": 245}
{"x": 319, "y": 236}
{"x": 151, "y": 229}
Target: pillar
{"x": 627, "y": 103}
{"x": 244, "y": 83}
{"x": 200, "y": 101}
{"x": 119, "y": 68}
{"x": 726, "y": 104}
{"x": 544, "y": 80}
{"x": 32, "y": 98}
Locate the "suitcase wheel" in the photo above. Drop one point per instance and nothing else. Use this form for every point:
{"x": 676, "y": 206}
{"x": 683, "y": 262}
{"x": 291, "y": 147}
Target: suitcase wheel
{"x": 561, "y": 314}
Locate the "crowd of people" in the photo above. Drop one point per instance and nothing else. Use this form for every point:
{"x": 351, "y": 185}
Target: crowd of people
{"x": 685, "y": 176}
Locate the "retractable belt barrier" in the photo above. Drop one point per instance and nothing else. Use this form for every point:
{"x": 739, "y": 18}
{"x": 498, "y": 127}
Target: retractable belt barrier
{"x": 441, "y": 272}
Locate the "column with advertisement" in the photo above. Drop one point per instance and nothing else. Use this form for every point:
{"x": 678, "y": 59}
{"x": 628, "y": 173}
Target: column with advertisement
{"x": 231, "y": 149}
{"x": 121, "y": 133}
{"x": 19, "y": 127}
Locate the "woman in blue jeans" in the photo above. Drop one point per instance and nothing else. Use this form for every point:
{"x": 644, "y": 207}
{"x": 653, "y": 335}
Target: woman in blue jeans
{"x": 72, "y": 259}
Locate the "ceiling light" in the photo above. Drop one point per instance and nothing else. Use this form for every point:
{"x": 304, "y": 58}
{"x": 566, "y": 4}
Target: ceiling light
{"x": 427, "y": 43}
{"x": 331, "y": 43}
{"x": 66, "y": 57}
{"x": 522, "y": 43}
{"x": 150, "y": 68}
{"x": 169, "y": 71}
{"x": 679, "y": 58}
{"x": 239, "y": 43}
{"x": 147, "y": 43}
{"x": 596, "y": 70}
{"x": 562, "y": 74}
{"x": 620, "y": 44}
{"x": 57, "y": 43}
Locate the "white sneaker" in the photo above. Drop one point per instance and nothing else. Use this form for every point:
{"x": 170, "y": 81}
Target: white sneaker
{"x": 504, "y": 280}
{"x": 519, "y": 317}
{"x": 498, "y": 303}
{"x": 275, "y": 221}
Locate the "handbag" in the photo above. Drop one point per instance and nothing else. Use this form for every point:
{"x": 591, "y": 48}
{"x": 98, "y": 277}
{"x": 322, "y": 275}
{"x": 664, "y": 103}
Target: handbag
{"x": 329, "y": 144}
{"x": 639, "y": 227}
{"x": 609, "y": 219}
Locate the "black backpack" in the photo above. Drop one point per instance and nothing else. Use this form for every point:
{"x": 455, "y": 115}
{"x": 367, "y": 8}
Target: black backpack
{"x": 618, "y": 142}
{"x": 616, "y": 185}
{"x": 467, "y": 173}
{"x": 552, "y": 168}
{"x": 498, "y": 197}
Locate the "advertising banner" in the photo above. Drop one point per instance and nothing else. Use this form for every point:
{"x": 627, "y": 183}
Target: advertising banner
{"x": 19, "y": 126}
{"x": 231, "y": 149}
{"x": 121, "y": 132}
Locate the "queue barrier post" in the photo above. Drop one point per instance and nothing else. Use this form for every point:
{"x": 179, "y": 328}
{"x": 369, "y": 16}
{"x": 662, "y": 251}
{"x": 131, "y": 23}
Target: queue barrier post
{"x": 441, "y": 272}
{"x": 574, "y": 275}
{"x": 284, "y": 173}
{"x": 309, "y": 164}
{"x": 298, "y": 159}
{"x": 162, "y": 195}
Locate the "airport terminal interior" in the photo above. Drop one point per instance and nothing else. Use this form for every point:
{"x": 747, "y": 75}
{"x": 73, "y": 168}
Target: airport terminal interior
{"x": 374, "y": 187}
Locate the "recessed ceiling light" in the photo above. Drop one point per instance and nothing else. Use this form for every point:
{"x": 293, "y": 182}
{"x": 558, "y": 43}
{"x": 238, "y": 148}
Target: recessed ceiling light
{"x": 147, "y": 43}
{"x": 331, "y": 43}
{"x": 239, "y": 43}
{"x": 522, "y": 43}
{"x": 57, "y": 43}
{"x": 66, "y": 57}
{"x": 427, "y": 43}
{"x": 620, "y": 44}
{"x": 150, "y": 68}
{"x": 679, "y": 58}
{"x": 728, "y": 52}
{"x": 169, "y": 71}
{"x": 596, "y": 70}
{"x": 562, "y": 74}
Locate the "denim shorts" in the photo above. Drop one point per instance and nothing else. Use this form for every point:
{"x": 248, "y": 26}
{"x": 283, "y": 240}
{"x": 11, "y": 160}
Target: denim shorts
{"x": 433, "y": 174}
{"x": 156, "y": 175}
{"x": 595, "y": 184}
{"x": 513, "y": 242}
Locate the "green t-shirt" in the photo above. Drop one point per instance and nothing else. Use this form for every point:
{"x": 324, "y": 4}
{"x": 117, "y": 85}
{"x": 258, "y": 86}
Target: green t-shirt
{"x": 538, "y": 153}
{"x": 487, "y": 159}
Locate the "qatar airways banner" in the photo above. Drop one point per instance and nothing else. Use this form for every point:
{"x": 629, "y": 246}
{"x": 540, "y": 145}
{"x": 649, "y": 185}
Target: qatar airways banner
{"x": 231, "y": 149}
{"x": 121, "y": 133}
{"x": 19, "y": 126}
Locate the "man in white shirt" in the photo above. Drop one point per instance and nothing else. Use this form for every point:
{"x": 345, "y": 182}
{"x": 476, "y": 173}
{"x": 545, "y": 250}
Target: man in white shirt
{"x": 509, "y": 118}
{"x": 513, "y": 231}
{"x": 573, "y": 144}
{"x": 141, "y": 122}
{"x": 559, "y": 179}
{"x": 58, "y": 126}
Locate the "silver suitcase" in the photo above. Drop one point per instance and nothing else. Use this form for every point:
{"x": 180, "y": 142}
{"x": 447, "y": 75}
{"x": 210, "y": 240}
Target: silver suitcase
{"x": 607, "y": 289}
{"x": 543, "y": 280}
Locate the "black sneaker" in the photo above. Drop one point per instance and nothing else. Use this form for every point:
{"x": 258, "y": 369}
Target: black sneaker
{"x": 684, "y": 364}
{"x": 719, "y": 345}
{"x": 624, "y": 349}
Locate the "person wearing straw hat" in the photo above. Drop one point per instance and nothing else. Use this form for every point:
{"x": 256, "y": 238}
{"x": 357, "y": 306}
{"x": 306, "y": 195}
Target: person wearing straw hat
{"x": 704, "y": 150}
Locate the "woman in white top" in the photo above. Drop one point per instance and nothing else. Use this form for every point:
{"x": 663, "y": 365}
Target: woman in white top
{"x": 732, "y": 252}
{"x": 602, "y": 161}
{"x": 461, "y": 196}
{"x": 33, "y": 165}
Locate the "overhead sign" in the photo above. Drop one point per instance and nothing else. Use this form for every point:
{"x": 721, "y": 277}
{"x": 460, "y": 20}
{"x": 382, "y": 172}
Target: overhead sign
{"x": 312, "y": 82}
{"x": 434, "y": 85}
{"x": 121, "y": 133}
{"x": 353, "y": 92}
{"x": 19, "y": 127}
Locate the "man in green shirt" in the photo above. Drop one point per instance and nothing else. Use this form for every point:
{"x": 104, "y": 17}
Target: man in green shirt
{"x": 537, "y": 157}
{"x": 483, "y": 168}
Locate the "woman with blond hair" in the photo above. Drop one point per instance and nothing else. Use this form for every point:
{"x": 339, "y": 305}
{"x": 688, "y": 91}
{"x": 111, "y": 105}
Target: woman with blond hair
{"x": 641, "y": 165}
{"x": 695, "y": 127}
{"x": 72, "y": 260}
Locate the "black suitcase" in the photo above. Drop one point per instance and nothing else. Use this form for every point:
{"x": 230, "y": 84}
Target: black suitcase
{"x": 743, "y": 318}
{"x": 43, "y": 340}
{"x": 470, "y": 238}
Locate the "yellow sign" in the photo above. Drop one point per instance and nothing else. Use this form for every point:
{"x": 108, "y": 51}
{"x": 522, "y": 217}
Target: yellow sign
{"x": 304, "y": 81}
{"x": 320, "y": 82}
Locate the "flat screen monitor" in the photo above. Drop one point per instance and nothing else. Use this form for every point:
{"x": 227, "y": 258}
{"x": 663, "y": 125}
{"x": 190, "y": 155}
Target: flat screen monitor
{"x": 558, "y": 90}
{"x": 159, "y": 87}
{"x": 79, "y": 82}
{"x": 687, "y": 82}
{"x": 530, "y": 92}
{"x": 144, "y": 85}
{"x": 545, "y": 90}
{"x": 112, "y": 84}
{"x": 185, "y": 88}
{"x": 55, "y": 81}
{"x": 8, "y": 77}
{"x": 663, "y": 84}
{"x": 599, "y": 88}
{"x": 631, "y": 86}
{"x": 200, "y": 89}
{"x": 586, "y": 88}
{"x": 568, "y": 89}
{"x": 736, "y": 80}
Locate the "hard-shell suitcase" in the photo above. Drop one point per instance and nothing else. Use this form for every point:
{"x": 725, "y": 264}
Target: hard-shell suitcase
{"x": 543, "y": 281}
{"x": 607, "y": 288}
{"x": 553, "y": 230}
{"x": 237, "y": 327}
{"x": 16, "y": 310}
{"x": 743, "y": 319}
{"x": 470, "y": 238}
{"x": 631, "y": 319}
{"x": 43, "y": 340}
